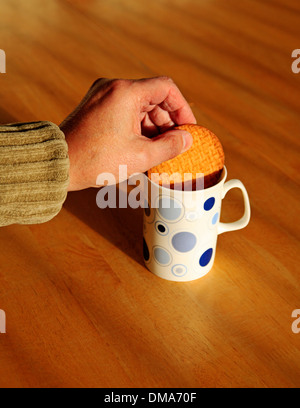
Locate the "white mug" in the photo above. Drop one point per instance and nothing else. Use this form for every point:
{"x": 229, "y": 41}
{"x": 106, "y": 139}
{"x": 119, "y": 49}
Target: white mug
{"x": 181, "y": 229}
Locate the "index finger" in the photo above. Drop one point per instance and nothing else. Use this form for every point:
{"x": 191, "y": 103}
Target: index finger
{"x": 163, "y": 91}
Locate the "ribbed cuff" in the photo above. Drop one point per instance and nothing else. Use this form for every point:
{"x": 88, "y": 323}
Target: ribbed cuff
{"x": 34, "y": 172}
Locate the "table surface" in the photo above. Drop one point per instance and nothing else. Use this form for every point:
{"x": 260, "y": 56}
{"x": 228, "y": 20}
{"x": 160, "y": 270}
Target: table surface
{"x": 81, "y": 309}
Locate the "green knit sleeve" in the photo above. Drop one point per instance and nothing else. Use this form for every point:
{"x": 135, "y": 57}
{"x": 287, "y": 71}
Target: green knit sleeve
{"x": 34, "y": 172}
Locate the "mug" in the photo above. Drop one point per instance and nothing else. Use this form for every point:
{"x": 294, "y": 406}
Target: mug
{"x": 181, "y": 228}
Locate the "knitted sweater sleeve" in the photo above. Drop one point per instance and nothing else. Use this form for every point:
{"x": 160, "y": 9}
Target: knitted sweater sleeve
{"x": 34, "y": 172}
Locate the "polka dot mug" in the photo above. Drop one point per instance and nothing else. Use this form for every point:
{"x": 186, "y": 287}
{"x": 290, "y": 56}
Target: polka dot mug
{"x": 181, "y": 229}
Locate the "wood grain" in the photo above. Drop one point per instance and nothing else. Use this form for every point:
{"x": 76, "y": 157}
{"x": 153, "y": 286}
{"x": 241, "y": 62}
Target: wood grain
{"x": 82, "y": 310}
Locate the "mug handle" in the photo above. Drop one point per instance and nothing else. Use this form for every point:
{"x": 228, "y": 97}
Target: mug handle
{"x": 242, "y": 222}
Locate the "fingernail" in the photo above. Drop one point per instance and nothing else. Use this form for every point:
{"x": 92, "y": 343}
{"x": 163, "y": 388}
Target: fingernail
{"x": 187, "y": 141}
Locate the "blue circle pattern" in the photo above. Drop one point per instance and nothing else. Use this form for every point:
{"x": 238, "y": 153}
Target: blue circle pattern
{"x": 215, "y": 218}
{"x": 179, "y": 270}
{"x": 146, "y": 251}
{"x": 169, "y": 209}
{"x": 208, "y": 205}
{"x": 206, "y": 257}
{"x": 184, "y": 241}
{"x": 147, "y": 209}
{"x": 162, "y": 228}
{"x": 162, "y": 256}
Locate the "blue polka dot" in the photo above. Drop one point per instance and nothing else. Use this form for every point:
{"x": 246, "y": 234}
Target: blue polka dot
{"x": 184, "y": 241}
{"x": 161, "y": 228}
{"x": 147, "y": 211}
{"x": 169, "y": 209}
{"x": 162, "y": 256}
{"x": 215, "y": 219}
{"x": 206, "y": 257}
{"x": 208, "y": 205}
{"x": 146, "y": 251}
{"x": 179, "y": 270}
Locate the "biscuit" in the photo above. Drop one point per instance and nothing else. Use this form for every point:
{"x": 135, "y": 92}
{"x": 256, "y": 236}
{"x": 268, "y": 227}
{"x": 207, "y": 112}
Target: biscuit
{"x": 206, "y": 156}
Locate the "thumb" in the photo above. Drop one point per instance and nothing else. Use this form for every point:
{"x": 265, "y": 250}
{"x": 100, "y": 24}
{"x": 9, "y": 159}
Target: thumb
{"x": 169, "y": 145}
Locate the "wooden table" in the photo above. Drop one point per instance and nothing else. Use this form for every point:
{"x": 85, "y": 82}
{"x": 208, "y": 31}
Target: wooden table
{"x": 82, "y": 310}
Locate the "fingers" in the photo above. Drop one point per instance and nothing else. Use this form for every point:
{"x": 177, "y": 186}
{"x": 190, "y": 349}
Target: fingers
{"x": 163, "y": 92}
{"x": 155, "y": 122}
{"x": 166, "y": 146}
{"x": 161, "y": 118}
{"x": 149, "y": 129}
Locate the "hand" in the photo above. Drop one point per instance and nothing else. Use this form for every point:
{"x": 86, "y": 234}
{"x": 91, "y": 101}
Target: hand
{"x": 125, "y": 122}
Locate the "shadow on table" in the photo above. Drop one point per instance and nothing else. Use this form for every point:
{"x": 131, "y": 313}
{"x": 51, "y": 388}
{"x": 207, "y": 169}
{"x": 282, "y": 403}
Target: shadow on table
{"x": 123, "y": 227}
{"x": 6, "y": 117}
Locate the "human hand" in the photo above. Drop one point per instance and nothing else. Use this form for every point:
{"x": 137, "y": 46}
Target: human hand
{"x": 125, "y": 122}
